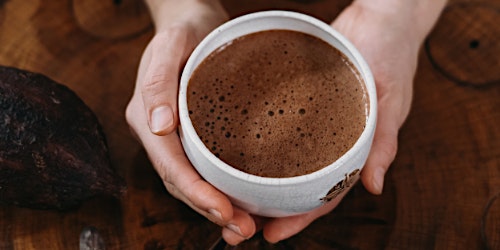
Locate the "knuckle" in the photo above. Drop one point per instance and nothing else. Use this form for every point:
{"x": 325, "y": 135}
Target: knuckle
{"x": 163, "y": 169}
{"x": 129, "y": 114}
{"x": 173, "y": 190}
{"x": 388, "y": 148}
{"x": 167, "y": 181}
{"x": 132, "y": 114}
{"x": 158, "y": 90}
{"x": 155, "y": 83}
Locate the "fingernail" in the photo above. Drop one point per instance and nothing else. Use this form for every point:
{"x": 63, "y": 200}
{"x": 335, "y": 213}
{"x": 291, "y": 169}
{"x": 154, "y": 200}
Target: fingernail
{"x": 235, "y": 229}
{"x": 378, "y": 179}
{"x": 215, "y": 213}
{"x": 162, "y": 118}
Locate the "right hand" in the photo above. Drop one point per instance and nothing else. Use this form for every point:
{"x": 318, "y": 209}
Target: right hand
{"x": 388, "y": 34}
{"x": 152, "y": 111}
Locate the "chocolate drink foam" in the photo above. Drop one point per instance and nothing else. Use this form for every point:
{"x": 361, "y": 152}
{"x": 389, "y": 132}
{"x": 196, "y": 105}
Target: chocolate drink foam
{"x": 277, "y": 103}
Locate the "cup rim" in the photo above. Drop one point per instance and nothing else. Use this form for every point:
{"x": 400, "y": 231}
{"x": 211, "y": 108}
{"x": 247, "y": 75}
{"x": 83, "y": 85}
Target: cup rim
{"x": 365, "y": 73}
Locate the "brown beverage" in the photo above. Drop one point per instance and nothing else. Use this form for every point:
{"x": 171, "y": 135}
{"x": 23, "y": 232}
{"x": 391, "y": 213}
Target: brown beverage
{"x": 277, "y": 103}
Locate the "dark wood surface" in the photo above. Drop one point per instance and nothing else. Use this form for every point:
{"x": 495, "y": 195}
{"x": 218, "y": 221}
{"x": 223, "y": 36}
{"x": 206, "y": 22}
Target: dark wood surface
{"x": 442, "y": 191}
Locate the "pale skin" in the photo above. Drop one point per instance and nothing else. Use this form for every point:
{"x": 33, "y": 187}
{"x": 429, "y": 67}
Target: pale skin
{"x": 388, "y": 33}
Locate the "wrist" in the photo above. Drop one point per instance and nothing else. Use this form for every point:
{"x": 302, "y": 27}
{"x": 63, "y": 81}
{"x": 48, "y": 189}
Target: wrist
{"x": 166, "y": 13}
{"x": 416, "y": 17}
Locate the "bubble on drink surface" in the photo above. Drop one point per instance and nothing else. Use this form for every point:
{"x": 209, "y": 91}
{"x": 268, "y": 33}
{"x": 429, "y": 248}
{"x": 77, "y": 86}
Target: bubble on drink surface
{"x": 249, "y": 110}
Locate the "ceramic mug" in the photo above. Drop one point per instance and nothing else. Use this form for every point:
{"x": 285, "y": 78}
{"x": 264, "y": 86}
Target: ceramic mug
{"x": 277, "y": 197}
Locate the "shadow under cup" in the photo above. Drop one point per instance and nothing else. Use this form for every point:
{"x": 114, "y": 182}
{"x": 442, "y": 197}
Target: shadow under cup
{"x": 277, "y": 197}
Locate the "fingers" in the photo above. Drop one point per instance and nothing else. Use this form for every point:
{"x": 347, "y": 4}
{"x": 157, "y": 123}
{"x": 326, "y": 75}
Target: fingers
{"x": 382, "y": 154}
{"x": 167, "y": 53}
{"x": 383, "y": 151}
{"x": 184, "y": 183}
{"x": 385, "y": 143}
{"x": 180, "y": 25}
{"x": 180, "y": 178}
{"x": 240, "y": 228}
{"x": 282, "y": 228}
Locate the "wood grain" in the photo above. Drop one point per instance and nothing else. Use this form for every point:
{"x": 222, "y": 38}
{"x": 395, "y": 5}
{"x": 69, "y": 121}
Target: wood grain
{"x": 442, "y": 191}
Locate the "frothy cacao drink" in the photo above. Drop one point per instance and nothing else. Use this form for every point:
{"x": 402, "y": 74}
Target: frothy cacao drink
{"x": 277, "y": 103}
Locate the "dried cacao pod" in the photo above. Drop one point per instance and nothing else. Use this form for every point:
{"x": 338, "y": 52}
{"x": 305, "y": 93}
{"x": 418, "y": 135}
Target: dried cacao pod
{"x": 53, "y": 152}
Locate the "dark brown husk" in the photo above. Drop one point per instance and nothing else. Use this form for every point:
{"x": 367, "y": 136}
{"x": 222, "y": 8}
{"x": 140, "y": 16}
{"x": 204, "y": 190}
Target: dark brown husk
{"x": 53, "y": 152}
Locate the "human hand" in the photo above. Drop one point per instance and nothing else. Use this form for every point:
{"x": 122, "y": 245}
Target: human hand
{"x": 179, "y": 31}
{"x": 389, "y": 39}
{"x": 390, "y": 48}
{"x": 152, "y": 110}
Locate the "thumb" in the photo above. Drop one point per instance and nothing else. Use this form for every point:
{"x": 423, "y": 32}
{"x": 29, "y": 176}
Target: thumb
{"x": 168, "y": 52}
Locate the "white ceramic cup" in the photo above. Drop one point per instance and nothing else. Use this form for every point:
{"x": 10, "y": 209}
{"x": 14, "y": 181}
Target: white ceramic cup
{"x": 277, "y": 197}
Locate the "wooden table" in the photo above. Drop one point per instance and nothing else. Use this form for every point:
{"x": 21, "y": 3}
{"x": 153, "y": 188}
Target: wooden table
{"x": 442, "y": 191}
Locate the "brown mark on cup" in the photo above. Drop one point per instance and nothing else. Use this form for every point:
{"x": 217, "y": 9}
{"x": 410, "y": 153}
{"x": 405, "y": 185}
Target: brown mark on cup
{"x": 342, "y": 185}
